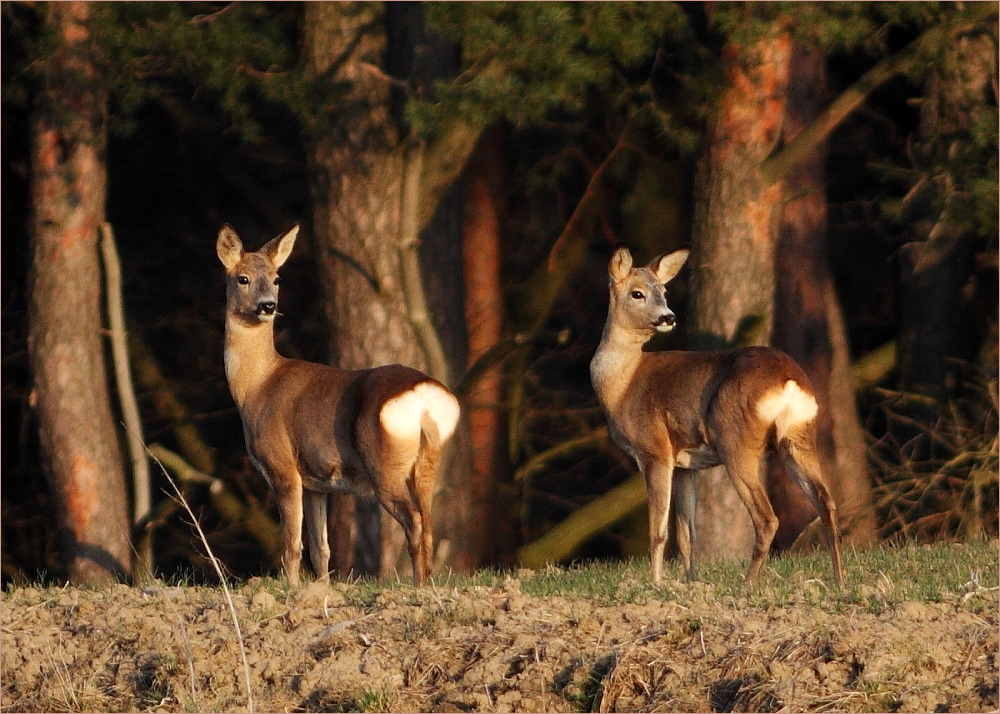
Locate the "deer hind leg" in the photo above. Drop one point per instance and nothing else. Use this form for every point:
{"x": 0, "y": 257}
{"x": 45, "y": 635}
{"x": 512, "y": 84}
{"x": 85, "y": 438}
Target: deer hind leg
{"x": 422, "y": 543}
{"x": 397, "y": 491}
{"x": 744, "y": 461}
{"x": 685, "y": 504}
{"x": 659, "y": 482}
{"x": 798, "y": 454}
{"x": 315, "y": 507}
{"x": 395, "y": 465}
{"x": 397, "y": 499}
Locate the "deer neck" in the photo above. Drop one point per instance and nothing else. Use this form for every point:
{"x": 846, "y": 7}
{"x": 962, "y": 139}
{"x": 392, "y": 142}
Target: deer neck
{"x": 615, "y": 363}
{"x": 250, "y": 357}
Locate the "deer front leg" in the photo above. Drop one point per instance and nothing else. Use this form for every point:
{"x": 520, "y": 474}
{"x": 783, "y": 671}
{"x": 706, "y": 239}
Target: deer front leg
{"x": 659, "y": 480}
{"x": 290, "y": 506}
{"x": 685, "y": 504}
{"x": 316, "y": 528}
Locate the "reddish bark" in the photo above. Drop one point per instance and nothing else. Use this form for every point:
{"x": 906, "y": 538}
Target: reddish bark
{"x": 732, "y": 261}
{"x": 484, "y": 315}
{"x": 76, "y": 429}
{"x": 808, "y": 325}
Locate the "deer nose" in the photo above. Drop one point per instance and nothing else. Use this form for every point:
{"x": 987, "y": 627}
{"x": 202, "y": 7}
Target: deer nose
{"x": 267, "y": 307}
{"x": 665, "y": 321}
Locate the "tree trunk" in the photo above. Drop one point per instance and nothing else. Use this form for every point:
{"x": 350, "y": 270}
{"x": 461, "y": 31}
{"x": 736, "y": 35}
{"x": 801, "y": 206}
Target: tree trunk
{"x": 936, "y": 267}
{"x": 369, "y": 184}
{"x": 79, "y": 441}
{"x": 732, "y": 261}
{"x": 356, "y": 171}
{"x": 808, "y": 325}
{"x": 491, "y": 541}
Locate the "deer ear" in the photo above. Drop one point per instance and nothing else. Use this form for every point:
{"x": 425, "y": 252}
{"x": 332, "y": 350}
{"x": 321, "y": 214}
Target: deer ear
{"x": 667, "y": 266}
{"x": 229, "y": 247}
{"x": 621, "y": 263}
{"x": 278, "y": 249}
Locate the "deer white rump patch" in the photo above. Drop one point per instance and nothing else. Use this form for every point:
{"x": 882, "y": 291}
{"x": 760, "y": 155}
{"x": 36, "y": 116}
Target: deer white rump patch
{"x": 441, "y": 406}
{"x": 401, "y": 415}
{"x": 787, "y": 406}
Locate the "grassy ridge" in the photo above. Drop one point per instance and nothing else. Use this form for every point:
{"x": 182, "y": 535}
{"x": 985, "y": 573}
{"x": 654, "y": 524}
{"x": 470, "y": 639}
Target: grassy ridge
{"x": 880, "y": 576}
{"x": 914, "y": 629}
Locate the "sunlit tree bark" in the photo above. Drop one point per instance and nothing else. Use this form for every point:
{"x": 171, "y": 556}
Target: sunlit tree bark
{"x": 490, "y": 531}
{"x": 375, "y": 189}
{"x": 77, "y": 431}
{"x": 809, "y": 326}
{"x": 732, "y": 261}
{"x": 356, "y": 170}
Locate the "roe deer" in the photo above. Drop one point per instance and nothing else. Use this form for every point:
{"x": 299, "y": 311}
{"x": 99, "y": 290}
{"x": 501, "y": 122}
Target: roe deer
{"x": 311, "y": 429}
{"x": 678, "y": 412}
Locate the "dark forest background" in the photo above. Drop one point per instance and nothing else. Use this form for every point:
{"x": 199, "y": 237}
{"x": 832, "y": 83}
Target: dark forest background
{"x": 836, "y": 161}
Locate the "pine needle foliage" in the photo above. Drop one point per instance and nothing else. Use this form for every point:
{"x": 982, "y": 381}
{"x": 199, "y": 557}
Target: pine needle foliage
{"x": 231, "y": 53}
{"x": 525, "y": 62}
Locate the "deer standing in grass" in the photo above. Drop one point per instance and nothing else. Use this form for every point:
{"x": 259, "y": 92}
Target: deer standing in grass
{"x": 677, "y": 412}
{"x": 311, "y": 429}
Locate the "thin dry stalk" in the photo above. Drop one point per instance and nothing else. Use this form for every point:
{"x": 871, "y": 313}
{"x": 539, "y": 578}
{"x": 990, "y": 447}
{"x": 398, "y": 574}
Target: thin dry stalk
{"x": 222, "y": 579}
{"x": 189, "y": 653}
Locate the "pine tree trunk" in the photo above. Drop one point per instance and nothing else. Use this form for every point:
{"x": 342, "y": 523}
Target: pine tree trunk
{"x": 79, "y": 441}
{"x": 808, "y": 325}
{"x": 356, "y": 171}
{"x": 491, "y": 540}
{"x": 369, "y": 191}
{"x": 732, "y": 261}
{"x": 935, "y": 269}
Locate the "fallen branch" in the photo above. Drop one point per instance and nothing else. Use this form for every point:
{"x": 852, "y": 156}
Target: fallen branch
{"x": 141, "y": 489}
{"x": 910, "y": 57}
{"x": 874, "y": 367}
{"x": 584, "y": 523}
{"x": 150, "y": 379}
{"x": 503, "y": 349}
{"x": 222, "y": 581}
{"x": 538, "y": 462}
{"x": 446, "y": 157}
{"x": 227, "y": 503}
{"x": 414, "y": 295}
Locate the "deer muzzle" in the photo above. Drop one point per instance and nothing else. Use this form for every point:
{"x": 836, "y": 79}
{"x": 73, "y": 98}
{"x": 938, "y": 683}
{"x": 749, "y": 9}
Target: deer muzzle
{"x": 266, "y": 308}
{"x": 665, "y": 322}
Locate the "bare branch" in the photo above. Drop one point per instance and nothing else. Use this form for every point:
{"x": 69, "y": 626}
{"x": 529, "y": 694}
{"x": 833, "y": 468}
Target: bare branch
{"x": 603, "y": 511}
{"x": 779, "y": 164}
{"x": 123, "y": 377}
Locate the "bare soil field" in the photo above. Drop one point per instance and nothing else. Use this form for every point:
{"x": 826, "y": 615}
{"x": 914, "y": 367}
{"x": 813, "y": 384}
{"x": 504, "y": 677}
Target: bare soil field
{"x": 593, "y": 638}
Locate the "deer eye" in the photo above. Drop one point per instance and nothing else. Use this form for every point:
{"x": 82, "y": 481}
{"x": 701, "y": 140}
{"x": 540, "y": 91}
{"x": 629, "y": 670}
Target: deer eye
{"x": 277, "y": 281}
{"x": 243, "y": 280}
{"x": 637, "y": 295}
